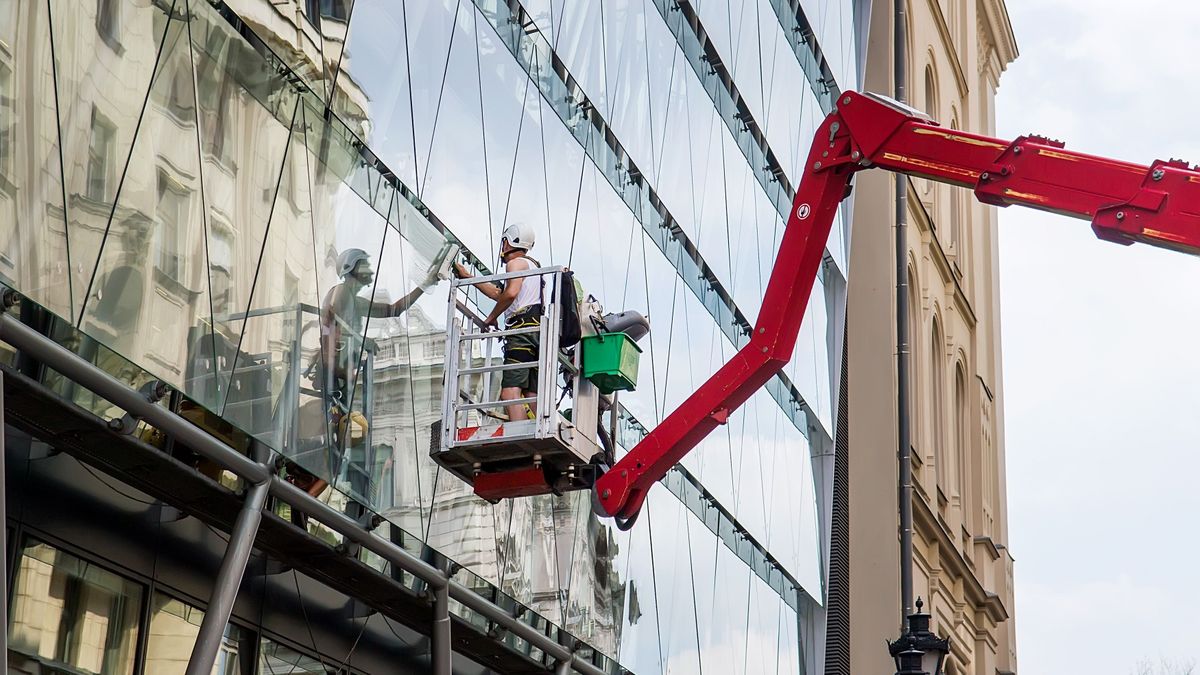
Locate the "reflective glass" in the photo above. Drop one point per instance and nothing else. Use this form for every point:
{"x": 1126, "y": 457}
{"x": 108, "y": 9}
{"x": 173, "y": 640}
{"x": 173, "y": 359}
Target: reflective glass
{"x": 762, "y": 634}
{"x": 150, "y": 299}
{"x": 579, "y": 42}
{"x": 373, "y": 96}
{"x": 34, "y": 251}
{"x": 279, "y": 659}
{"x": 273, "y": 392}
{"x": 245, "y": 109}
{"x": 451, "y": 148}
{"x": 564, "y": 166}
{"x": 723, "y": 628}
{"x": 628, "y": 38}
{"x": 509, "y": 101}
{"x": 174, "y": 627}
{"x": 66, "y": 612}
{"x": 591, "y": 607}
{"x": 348, "y": 236}
{"x": 674, "y": 583}
{"x": 641, "y": 647}
{"x": 406, "y": 332}
{"x": 290, "y": 31}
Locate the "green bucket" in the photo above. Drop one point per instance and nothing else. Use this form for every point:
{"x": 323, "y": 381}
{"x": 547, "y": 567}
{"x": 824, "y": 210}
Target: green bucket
{"x": 610, "y": 361}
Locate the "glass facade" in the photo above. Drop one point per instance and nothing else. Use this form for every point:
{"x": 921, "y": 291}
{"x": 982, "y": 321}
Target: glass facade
{"x": 181, "y": 181}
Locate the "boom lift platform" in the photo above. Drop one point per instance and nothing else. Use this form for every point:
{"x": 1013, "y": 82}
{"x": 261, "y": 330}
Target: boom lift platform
{"x": 1125, "y": 202}
{"x": 557, "y": 449}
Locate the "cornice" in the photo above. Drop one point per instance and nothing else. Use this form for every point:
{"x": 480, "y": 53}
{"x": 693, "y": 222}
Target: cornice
{"x": 951, "y": 560}
{"x": 999, "y": 31}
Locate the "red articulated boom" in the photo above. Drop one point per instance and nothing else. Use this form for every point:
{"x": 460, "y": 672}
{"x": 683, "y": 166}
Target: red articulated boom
{"x": 1126, "y": 203}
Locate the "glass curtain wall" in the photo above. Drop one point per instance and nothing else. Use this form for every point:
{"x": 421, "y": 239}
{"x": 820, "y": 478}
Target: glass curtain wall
{"x": 184, "y": 182}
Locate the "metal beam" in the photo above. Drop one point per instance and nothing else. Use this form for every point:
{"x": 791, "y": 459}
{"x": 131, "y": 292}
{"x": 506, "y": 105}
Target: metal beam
{"x": 90, "y": 376}
{"x": 440, "y": 647}
{"x": 229, "y": 580}
{"x": 42, "y": 348}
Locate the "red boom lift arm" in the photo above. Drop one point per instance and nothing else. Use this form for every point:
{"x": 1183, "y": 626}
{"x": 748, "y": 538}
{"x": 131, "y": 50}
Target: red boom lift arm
{"x": 1127, "y": 203}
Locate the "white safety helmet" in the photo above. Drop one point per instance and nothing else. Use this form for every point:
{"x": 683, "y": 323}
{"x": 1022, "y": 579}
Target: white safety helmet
{"x": 519, "y": 235}
{"x": 349, "y": 259}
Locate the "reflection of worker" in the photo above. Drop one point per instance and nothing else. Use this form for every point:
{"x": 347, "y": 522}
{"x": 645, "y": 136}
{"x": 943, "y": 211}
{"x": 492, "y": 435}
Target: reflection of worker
{"x": 343, "y": 320}
{"x": 520, "y": 300}
{"x": 344, "y": 312}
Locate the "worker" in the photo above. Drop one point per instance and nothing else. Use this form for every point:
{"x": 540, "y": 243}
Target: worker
{"x": 520, "y": 301}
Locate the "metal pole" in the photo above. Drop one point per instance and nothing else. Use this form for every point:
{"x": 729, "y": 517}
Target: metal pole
{"x": 47, "y": 351}
{"x": 3, "y": 527}
{"x": 564, "y": 668}
{"x": 229, "y": 578}
{"x": 440, "y": 634}
{"x": 903, "y": 347}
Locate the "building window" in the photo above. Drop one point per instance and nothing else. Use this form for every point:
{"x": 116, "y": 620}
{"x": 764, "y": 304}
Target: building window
{"x": 930, "y": 92}
{"x": 953, "y": 233}
{"x": 931, "y": 109}
{"x": 172, "y": 218}
{"x": 914, "y": 373}
{"x": 70, "y": 616}
{"x": 220, "y": 264}
{"x": 961, "y": 438}
{"x": 335, "y": 9}
{"x": 181, "y": 100}
{"x": 937, "y": 374}
{"x": 108, "y": 22}
{"x": 101, "y": 160}
{"x": 215, "y": 91}
{"x": 174, "y": 626}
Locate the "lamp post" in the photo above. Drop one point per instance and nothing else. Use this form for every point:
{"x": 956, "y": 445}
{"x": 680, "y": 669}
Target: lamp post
{"x": 919, "y": 651}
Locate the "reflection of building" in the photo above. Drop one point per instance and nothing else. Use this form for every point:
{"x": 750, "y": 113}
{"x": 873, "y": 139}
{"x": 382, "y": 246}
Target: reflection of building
{"x": 962, "y": 566}
{"x": 216, "y": 158}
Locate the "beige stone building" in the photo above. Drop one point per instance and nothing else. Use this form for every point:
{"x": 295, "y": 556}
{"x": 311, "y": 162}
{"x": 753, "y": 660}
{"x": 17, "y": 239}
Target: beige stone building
{"x": 957, "y": 50}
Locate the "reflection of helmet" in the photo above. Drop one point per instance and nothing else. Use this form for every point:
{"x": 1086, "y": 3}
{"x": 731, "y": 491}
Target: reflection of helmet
{"x": 519, "y": 235}
{"x": 349, "y": 259}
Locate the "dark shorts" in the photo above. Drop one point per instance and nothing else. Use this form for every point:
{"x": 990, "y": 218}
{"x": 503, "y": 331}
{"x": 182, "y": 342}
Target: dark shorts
{"x": 521, "y": 349}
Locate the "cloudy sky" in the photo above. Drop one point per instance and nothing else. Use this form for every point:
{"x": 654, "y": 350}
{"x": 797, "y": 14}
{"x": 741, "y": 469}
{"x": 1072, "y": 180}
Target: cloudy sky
{"x": 1102, "y": 351}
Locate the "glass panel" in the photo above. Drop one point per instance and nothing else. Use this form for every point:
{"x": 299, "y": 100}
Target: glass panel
{"x": 762, "y": 634}
{"x": 244, "y": 110}
{"x": 174, "y": 627}
{"x": 67, "y": 612}
{"x": 451, "y": 141}
{"x": 564, "y": 166}
{"x": 105, "y": 58}
{"x": 579, "y": 42}
{"x": 272, "y": 392}
{"x": 640, "y": 649}
{"x": 278, "y": 659}
{"x": 723, "y": 629}
{"x": 348, "y": 235}
{"x": 150, "y": 300}
{"x": 674, "y": 583}
{"x": 291, "y": 30}
{"x": 373, "y": 96}
{"x": 406, "y": 335}
{"x": 34, "y": 253}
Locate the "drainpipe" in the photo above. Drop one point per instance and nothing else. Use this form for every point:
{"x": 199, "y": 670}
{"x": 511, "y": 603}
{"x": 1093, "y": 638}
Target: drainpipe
{"x": 903, "y": 346}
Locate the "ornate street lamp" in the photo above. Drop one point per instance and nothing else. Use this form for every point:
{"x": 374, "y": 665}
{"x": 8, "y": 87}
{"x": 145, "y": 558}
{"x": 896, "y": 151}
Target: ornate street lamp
{"x": 919, "y": 651}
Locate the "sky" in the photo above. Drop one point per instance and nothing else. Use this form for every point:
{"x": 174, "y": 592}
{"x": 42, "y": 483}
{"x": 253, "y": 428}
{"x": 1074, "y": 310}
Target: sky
{"x": 1101, "y": 349}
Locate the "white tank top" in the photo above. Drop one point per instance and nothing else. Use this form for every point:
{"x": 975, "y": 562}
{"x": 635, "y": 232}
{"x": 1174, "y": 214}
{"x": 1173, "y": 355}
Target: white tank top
{"x": 530, "y": 293}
